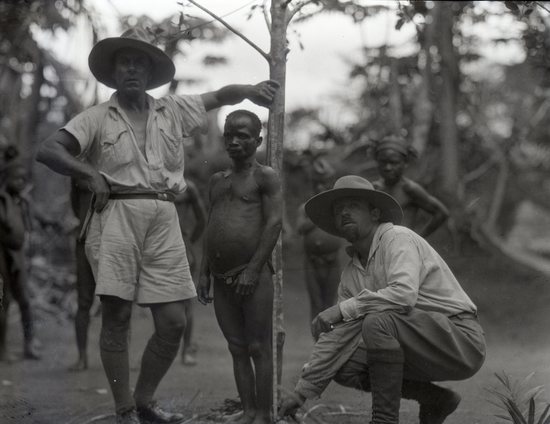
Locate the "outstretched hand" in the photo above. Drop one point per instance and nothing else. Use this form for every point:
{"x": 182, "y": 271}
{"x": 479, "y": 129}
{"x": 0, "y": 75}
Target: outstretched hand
{"x": 289, "y": 404}
{"x": 263, "y": 93}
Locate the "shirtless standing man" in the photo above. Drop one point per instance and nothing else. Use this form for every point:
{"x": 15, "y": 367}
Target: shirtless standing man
{"x": 321, "y": 249}
{"x": 190, "y": 201}
{"x": 392, "y": 155}
{"x": 243, "y": 226}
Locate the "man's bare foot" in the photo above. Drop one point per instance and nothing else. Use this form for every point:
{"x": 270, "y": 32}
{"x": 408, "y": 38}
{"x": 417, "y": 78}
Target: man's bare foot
{"x": 242, "y": 418}
{"x": 262, "y": 419}
{"x": 80, "y": 365}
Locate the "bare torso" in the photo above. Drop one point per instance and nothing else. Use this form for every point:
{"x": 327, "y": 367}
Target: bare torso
{"x": 401, "y": 192}
{"x": 236, "y": 219}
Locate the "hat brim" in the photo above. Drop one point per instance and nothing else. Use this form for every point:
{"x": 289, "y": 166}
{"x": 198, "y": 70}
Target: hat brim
{"x": 319, "y": 207}
{"x": 101, "y": 61}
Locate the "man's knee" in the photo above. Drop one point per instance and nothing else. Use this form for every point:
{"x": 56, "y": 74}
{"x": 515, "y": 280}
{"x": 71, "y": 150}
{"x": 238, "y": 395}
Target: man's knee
{"x": 115, "y": 311}
{"x": 259, "y": 349}
{"x": 238, "y": 348}
{"x": 375, "y": 322}
{"x": 379, "y": 331}
{"x": 170, "y": 320}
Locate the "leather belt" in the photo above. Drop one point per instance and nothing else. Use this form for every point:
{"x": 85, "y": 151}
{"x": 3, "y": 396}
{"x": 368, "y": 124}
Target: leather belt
{"x": 168, "y": 197}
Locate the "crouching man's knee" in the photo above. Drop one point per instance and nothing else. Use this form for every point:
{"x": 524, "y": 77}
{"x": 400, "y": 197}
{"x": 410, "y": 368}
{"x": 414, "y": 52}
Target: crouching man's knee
{"x": 379, "y": 331}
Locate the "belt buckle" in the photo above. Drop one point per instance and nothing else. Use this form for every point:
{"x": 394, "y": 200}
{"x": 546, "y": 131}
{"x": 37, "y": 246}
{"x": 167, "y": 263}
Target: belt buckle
{"x": 162, "y": 196}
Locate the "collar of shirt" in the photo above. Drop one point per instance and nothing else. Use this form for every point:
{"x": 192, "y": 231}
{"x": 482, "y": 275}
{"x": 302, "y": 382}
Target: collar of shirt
{"x": 352, "y": 252}
{"x": 114, "y": 104}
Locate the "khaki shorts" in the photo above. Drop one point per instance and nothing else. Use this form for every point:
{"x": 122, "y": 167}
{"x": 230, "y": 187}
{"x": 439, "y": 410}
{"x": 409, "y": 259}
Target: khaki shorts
{"x": 136, "y": 252}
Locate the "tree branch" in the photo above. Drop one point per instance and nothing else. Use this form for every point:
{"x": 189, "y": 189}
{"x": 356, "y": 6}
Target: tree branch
{"x": 233, "y": 30}
{"x": 479, "y": 171}
{"x": 299, "y": 6}
{"x": 539, "y": 4}
{"x": 265, "y": 11}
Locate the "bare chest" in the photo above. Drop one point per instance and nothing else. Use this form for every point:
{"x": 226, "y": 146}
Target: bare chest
{"x": 138, "y": 121}
{"x": 236, "y": 189}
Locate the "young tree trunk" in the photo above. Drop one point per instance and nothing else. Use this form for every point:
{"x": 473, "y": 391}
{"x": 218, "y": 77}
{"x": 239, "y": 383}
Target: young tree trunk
{"x": 395, "y": 98}
{"x": 448, "y": 133}
{"x": 423, "y": 107}
{"x": 275, "y": 134}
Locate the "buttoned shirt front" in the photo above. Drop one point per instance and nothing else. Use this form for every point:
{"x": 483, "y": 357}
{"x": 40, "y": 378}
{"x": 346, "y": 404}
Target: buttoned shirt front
{"x": 108, "y": 142}
{"x": 402, "y": 271}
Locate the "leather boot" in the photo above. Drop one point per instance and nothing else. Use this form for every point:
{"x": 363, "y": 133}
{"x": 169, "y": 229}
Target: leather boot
{"x": 152, "y": 413}
{"x": 386, "y": 377}
{"x": 436, "y": 403}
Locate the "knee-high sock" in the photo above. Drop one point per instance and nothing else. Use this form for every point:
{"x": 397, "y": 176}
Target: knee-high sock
{"x": 386, "y": 377}
{"x": 114, "y": 356}
{"x": 157, "y": 358}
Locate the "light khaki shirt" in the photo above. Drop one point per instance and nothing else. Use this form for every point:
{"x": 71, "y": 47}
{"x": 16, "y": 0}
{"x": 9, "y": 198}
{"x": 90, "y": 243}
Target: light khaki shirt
{"x": 107, "y": 141}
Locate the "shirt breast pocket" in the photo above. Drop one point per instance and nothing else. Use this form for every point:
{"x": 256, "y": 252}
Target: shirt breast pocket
{"x": 116, "y": 150}
{"x": 171, "y": 149}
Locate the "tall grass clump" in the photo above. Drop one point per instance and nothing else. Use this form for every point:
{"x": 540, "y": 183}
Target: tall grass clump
{"x": 518, "y": 400}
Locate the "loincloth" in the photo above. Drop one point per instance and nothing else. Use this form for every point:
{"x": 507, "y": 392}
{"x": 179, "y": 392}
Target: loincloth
{"x": 230, "y": 277}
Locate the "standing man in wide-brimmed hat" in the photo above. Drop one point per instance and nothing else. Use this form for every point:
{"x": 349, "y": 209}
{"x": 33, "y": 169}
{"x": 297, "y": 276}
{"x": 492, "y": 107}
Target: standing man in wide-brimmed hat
{"x": 402, "y": 320}
{"x": 129, "y": 150}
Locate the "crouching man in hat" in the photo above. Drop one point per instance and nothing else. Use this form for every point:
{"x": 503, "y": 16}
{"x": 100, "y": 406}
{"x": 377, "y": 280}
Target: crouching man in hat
{"x": 402, "y": 320}
{"x": 129, "y": 150}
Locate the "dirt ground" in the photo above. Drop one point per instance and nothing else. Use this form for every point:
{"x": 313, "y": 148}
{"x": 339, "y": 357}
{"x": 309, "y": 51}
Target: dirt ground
{"x": 513, "y": 307}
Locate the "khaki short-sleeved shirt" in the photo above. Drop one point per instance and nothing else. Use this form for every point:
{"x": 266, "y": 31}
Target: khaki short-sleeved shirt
{"x": 107, "y": 142}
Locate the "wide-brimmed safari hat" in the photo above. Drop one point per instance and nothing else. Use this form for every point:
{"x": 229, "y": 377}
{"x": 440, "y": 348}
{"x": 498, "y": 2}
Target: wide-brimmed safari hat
{"x": 319, "y": 207}
{"x": 101, "y": 58}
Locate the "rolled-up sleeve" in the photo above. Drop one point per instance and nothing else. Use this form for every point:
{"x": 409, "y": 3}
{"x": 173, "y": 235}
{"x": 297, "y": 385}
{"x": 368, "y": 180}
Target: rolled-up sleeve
{"x": 400, "y": 267}
{"x": 84, "y": 128}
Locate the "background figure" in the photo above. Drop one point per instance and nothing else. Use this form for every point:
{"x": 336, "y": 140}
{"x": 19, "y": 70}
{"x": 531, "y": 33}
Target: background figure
{"x": 190, "y": 200}
{"x": 321, "y": 249}
{"x": 85, "y": 283}
{"x": 244, "y": 223}
{"x": 393, "y": 154}
{"x": 14, "y": 224}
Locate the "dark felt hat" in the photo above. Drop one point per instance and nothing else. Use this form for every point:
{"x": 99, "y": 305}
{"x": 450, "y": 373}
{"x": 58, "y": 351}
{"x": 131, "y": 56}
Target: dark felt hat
{"x": 101, "y": 58}
{"x": 319, "y": 207}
